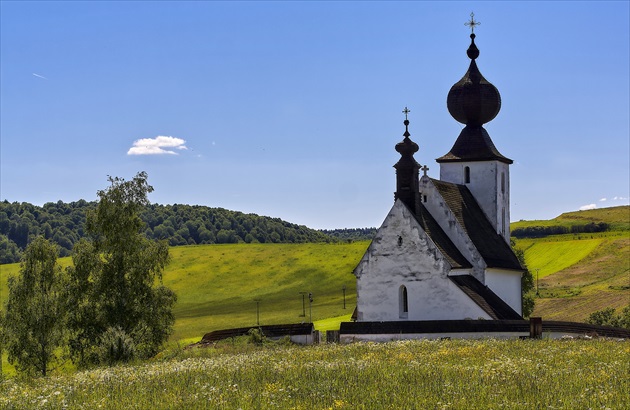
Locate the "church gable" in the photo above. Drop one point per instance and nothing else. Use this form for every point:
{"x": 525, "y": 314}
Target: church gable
{"x": 404, "y": 275}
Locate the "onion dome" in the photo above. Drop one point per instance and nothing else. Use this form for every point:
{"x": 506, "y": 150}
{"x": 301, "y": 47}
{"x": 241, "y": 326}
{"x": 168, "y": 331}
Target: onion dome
{"x": 473, "y": 101}
{"x": 406, "y": 148}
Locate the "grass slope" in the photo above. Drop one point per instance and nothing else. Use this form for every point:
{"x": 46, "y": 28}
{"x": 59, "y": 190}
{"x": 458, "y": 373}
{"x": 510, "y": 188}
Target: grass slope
{"x": 580, "y": 273}
{"x": 217, "y": 284}
{"x": 617, "y": 217}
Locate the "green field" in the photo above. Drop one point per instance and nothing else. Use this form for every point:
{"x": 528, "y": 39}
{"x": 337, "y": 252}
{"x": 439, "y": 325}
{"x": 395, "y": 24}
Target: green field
{"x": 447, "y": 374}
{"x": 617, "y": 217}
{"x": 216, "y": 285}
{"x": 546, "y": 257}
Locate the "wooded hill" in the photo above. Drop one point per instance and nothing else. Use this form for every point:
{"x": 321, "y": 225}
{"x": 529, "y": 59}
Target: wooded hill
{"x": 178, "y": 224}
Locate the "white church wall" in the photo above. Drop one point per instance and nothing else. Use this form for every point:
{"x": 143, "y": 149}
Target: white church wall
{"x": 401, "y": 254}
{"x": 507, "y": 285}
{"x": 435, "y": 204}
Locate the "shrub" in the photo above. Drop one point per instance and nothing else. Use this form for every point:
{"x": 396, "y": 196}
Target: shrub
{"x": 256, "y": 336}
{"x": 116, "y": 346}
{"x": 608, "y": 317}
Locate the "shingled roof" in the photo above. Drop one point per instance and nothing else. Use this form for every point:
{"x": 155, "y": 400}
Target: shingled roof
{"x": 439, "y": 237}
{"x": 485, "y": 298}
{"x": 492, "y": 247}
{"x": 473, "y": 144}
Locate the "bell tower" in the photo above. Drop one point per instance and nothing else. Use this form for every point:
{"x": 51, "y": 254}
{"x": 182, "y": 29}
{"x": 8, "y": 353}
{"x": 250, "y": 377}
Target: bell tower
{"x": 474, "y": 161}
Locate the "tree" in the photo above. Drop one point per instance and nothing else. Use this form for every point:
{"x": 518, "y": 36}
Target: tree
{"x": 34, "y": 319}
{"x": 527, "y": 283}
{"x": 609, "y": 317}
{"x": 116, "y": 282}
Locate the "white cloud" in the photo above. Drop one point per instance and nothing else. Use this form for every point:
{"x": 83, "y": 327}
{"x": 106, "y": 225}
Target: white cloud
{"x": 157, "y": 146}
{"x": 619, "y": 198}
{"x": 602, "y": 200}
{"x": 587, "y": 207}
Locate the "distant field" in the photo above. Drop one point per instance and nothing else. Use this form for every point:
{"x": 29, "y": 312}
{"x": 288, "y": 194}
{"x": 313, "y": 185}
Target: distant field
{"x": 552, "y": 256}
{"x": 216, "y": 285}
{"x": 617, "y": 217}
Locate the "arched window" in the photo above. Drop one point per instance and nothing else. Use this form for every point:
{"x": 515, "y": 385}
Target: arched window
{"x": 403, "y": 302}
{"x": 467, "y": 175}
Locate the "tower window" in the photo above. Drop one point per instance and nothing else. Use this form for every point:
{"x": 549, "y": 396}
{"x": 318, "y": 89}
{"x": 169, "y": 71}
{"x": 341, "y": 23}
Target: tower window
{"x": 503, "y": 182}
{"x": 467, "y": 175}
{"x": 404, "y": 304}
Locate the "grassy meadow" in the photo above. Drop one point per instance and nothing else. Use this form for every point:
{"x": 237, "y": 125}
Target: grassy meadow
{"x": 447, "y": 374}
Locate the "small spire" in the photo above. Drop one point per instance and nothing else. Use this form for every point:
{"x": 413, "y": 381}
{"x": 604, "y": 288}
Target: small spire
{"x": 406, "y": 111}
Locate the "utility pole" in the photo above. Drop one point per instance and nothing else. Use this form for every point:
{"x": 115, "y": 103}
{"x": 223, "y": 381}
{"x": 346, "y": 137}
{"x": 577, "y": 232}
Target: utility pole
{"x": 537, "y": 292}
{"x": 303, "y": 304}
{"x": 310, "y": 306}
{"x": 257, "y": 311}
{"x": 344, "y": 296}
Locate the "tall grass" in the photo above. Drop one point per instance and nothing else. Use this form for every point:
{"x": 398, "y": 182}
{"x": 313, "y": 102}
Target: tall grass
{"x": 458, "y": 374}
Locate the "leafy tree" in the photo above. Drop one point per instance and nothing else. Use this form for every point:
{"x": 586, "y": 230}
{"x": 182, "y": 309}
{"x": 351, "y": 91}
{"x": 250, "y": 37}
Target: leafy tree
{"x": 117, "y": 276}
{"x": 9, "y": 251}
{"x": 34, "y": 312}
{"x": 527, "y": 283}
{"x": 609, "y": 317}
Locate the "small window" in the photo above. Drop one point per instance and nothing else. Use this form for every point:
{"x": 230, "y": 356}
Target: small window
{"x": 404, "y": 302}
{"x": 467, "y": 175}
{"x": 425, "y": 198}
{"x": 400, "y": 241}
{"x": 503, "y": 182}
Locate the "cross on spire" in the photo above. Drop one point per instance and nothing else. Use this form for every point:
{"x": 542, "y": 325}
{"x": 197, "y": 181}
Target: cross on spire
{"x": 472, "y": 23}
{"x": 425, "y": 169}
{"x": 406, "y": 111}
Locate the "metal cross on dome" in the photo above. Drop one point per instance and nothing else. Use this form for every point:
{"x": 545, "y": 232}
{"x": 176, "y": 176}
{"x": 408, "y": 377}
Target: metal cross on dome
{"x": 472, "y": 23}
{"x": 406, "y": 111}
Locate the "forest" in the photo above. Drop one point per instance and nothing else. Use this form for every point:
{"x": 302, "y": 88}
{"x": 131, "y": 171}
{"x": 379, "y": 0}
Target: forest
{"x": 64, "y": 224}
{"x": 542, "y": 231}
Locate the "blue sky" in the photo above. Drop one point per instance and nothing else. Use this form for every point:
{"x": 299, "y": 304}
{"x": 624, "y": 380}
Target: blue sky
{"x": 292, "y": 109}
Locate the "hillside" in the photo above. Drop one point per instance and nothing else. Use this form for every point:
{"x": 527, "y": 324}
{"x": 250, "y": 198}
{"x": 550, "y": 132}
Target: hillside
{"x": 582, "y": 272}
{"x": 614, "y": 219}
{"x": 216, "y": 284}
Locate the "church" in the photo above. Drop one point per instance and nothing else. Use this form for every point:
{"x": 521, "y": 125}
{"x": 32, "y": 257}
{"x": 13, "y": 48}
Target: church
{"x": 443, "y": 251}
